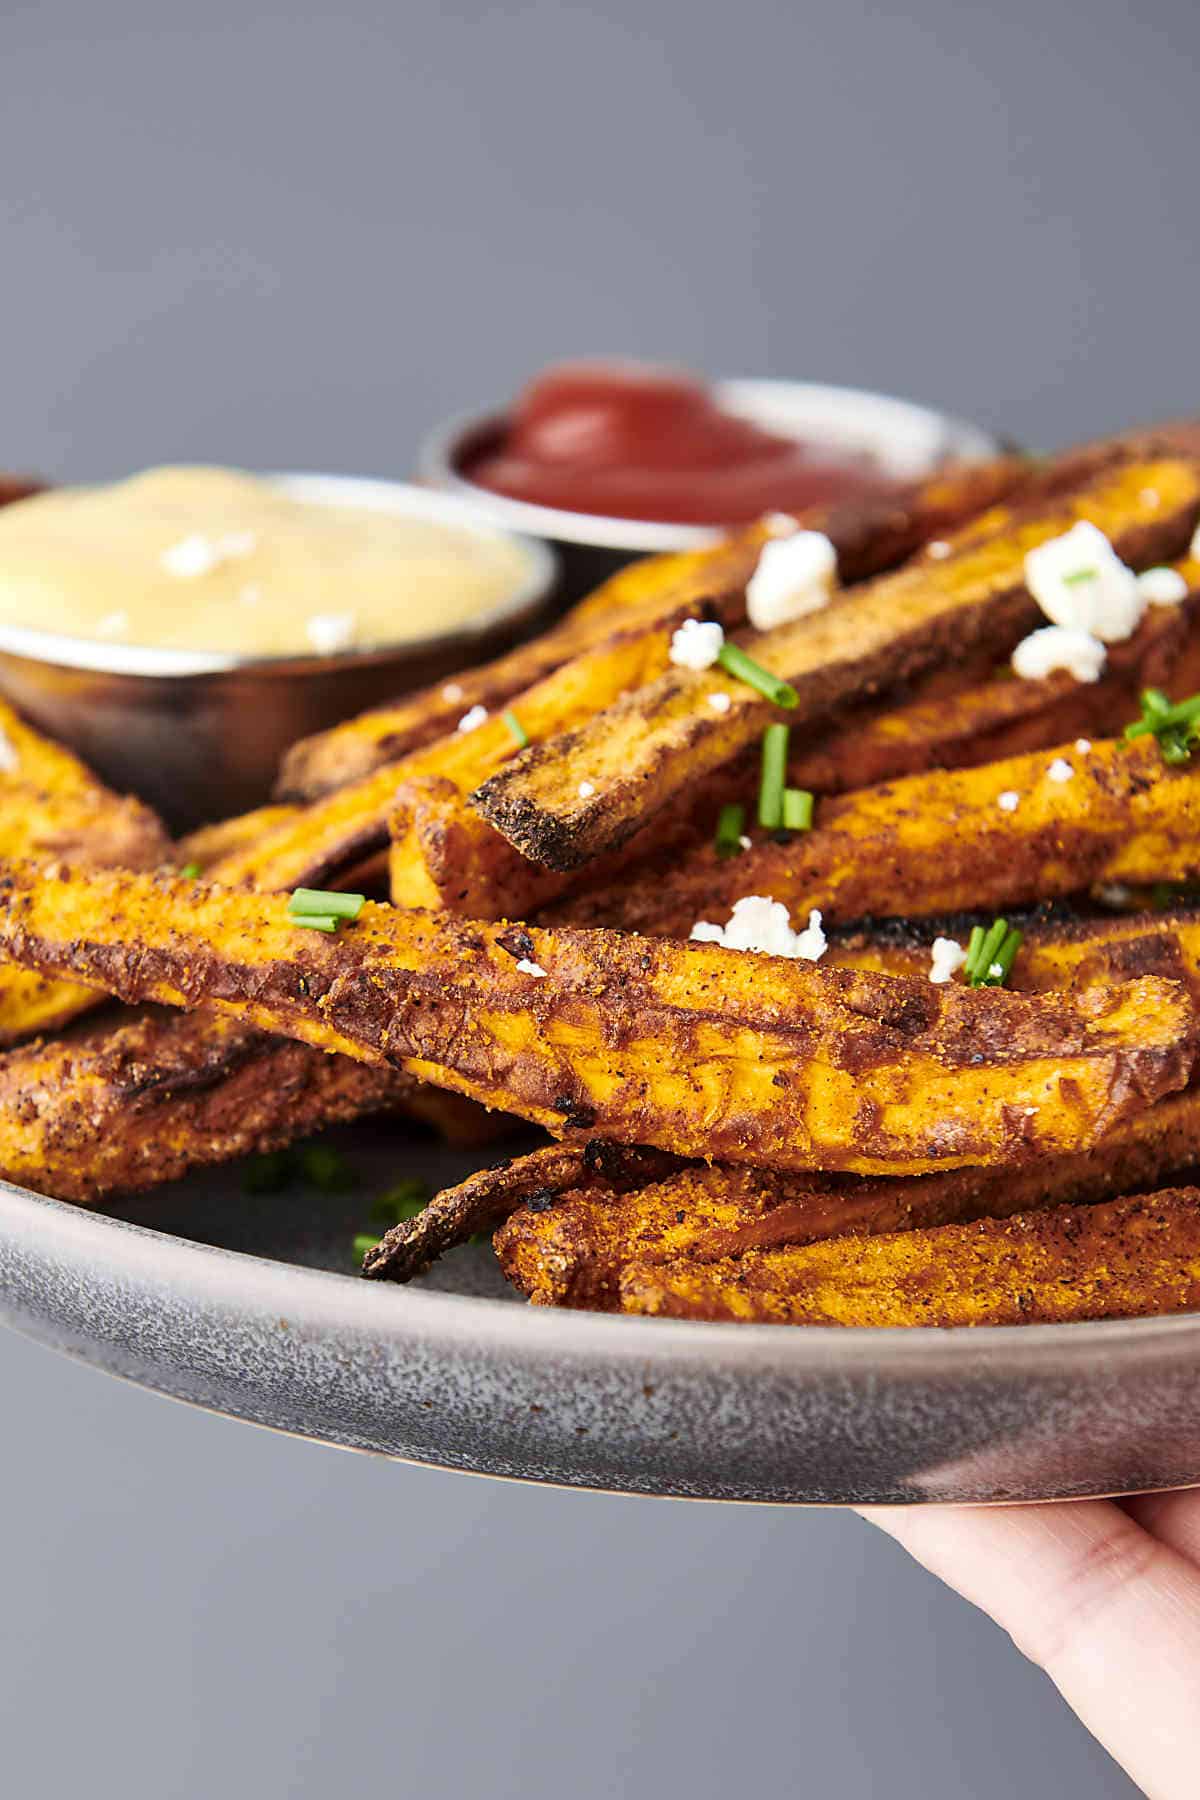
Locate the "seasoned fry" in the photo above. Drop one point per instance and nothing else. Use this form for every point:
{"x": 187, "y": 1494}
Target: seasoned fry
{"x": 1122, "y": 1259}
{"x": 942, "y": 842}
{"x": 871, "y": 536}
{"x": 119, "y": 1109}
{"x": 573, "y": 1252}
{"x": 683, "y": 1047}
{"x": 211, "y": 845}
{"x": 51, "y": 805}
{"x": 483, "y": 1200}
{"x": 564, "y": 802}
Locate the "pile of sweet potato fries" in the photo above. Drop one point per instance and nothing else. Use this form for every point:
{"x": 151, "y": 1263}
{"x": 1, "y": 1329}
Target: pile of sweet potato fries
{"x": 828, "y": 1137}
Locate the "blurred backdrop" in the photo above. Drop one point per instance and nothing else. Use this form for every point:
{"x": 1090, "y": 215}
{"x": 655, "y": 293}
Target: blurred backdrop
{"x": 276, "y": 236}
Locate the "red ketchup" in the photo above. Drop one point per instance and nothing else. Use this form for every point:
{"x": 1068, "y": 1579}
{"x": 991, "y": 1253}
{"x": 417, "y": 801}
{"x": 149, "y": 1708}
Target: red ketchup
{"x": 638, "y": 441}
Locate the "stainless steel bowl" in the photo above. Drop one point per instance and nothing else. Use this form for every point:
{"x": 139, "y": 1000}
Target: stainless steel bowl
{"x": 200, "y": 735}
{"x": 910, "y": 441}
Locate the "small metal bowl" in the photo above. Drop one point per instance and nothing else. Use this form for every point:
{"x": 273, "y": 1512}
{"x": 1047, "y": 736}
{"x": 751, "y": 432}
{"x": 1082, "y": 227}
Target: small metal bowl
{"x": 910, "y": 441}
{"x": 199, "y": 735}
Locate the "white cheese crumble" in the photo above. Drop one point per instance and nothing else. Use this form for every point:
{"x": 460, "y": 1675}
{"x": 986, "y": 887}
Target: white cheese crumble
{"x": 946, "y": 957}
{"x": 586, "y": 790}
{"x": 1081, "y": 583}
{"x": 763, "y": 926}
{"x": 744, "y": 842}
{"x": 1084, "y": 746}
{"x": 719, "y": 702}
{"x": 1009, "y": 800}
{"x": 1162, "y": 587}
{"x": 938, "y": 549}
{"x": 525, "y": 967}
{"x": 1150, "y": 497}
{"x": 793, "y": 576}
{"x": 1114, "y": 893}
{"x": 471, "y": 721}
{"x": 200, "y": 555}
{"x": 1057, "y": 647}
{"x": 996, "y": 971}
{"x": 780, "y": 524}
{"x": 9, "y": 760}
{"x": 1060, "y": 770}
{"x": 330, "y": 632}
{"x": 1194, "y": 548}
{"x": 452, "y": 692}
{"x": 697, "y": 644}
{"x": 113, "y": 624}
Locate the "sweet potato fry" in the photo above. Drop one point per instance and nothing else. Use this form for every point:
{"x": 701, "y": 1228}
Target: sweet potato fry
{"x": 942, "y": 842}
{"x": 685, "y": 1048}
{"x": 566, "y": 801}
{"x": 51, "y": 805}
{"x": 1122, "y": 1259}
{"x": 870, "y": 536}
{"x": 572, "y": 1252}
{"x": 118, "y": 1109}
{"x": 484, "y": 1199}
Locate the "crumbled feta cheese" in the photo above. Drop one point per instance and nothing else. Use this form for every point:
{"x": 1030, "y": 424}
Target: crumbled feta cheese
{"x": 1150, "y": 497}
{"x": 793, "y": 576}
{"x": 743, "y": 842}
{"x": 720, "y": 702}
{"x": 946, "y": 958}
{"x": 1009, "y": 800}
{"x": 1056, "y": 647}
{"x": 330, "y": 632}
{"x": 113, "y": 624}
{"x": 525, "y": 967}
{"x": 1060, "y": 770}
{"x": 938, "y": 549}
{"x": 200, "y": 555}
{"x": 471, "y": 721}
{"x": 1081, "y": 583}
{"x": 995, "y": 971}
{"x": 452, "y": 692}
{"x": 697, "y": 644}
{"x": 1084, "y": 746}
{"x": 1162, "y": 587}
{"x": 1114, "y": 893}
{"x": 780, "y": 524}
{"x": 9, "y": 760}
{"x": 763, "y": 926}
{"x": 586, "y": 790}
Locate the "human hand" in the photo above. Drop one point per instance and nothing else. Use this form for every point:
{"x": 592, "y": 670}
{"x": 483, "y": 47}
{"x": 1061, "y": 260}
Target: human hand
{"x": 1104, "y": 1596}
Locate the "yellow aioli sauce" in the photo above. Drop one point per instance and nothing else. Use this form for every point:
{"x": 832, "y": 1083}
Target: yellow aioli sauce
{"x": 212, "y": 560}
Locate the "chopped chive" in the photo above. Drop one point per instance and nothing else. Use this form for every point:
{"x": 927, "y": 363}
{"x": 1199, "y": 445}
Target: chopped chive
{"x": 1175, "y": 727}
{"x": 1004, "y": 958}
{"x": 797, "y": 809}
{"x": 735, "y": 662}
{"x": 403, "y": 1201}
{"x": 364, "y": 1243}
{"x": 325, "y": 1167}
{"x": 315, "y": 921}
{"x": 729, "y": 829}
{"x": 268, "y": 1173}
{"x": 516, "y": 728}
{"x": 317, "y": 903}
{"x": 1078, "y": 575}
{"x": 190, "y": 871}
{"x": 974, "y": 946}
{"x": 774, "y": 776}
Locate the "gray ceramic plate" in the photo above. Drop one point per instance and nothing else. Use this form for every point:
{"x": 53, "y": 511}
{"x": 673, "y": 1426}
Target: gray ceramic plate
{"x": 251, "y": 1307}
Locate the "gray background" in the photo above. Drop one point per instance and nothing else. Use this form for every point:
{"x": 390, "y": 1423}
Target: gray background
{"x": 243, "y": 232}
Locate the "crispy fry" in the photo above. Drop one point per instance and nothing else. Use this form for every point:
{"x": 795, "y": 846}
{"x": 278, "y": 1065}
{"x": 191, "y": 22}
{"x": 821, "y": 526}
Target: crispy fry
{"x": 871, "y": 536}
{"x": 564, "y": 802}
{"x": 942, "y": 842}
{"x": 119, "y": 1109}
{"x": 683, "y": 1047}
{"x": 51, "y": 805}
{"x": 1122, "y": 1259}
{"x": 211, "y": 845}
{"x": 572, "y": 1254}
{"x": 483, "y": 1200}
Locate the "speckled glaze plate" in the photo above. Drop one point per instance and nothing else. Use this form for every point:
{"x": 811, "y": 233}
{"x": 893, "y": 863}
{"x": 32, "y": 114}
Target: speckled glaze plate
{"x": 250, "y": 1306}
